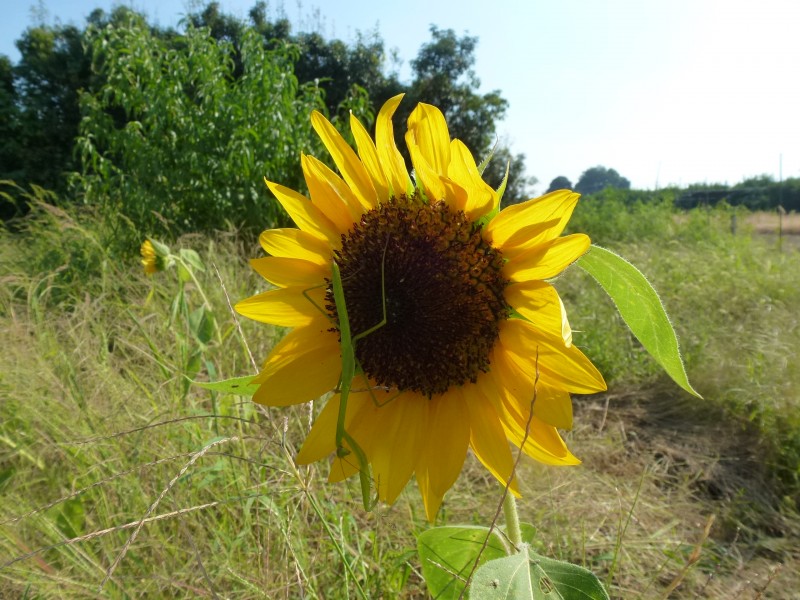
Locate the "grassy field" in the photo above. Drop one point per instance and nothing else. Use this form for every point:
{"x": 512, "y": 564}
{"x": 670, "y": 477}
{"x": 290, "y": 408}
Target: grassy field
{"x": 121, "y": 480}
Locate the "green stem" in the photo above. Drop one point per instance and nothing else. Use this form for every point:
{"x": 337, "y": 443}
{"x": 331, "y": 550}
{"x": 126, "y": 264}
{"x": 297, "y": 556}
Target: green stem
{"x": 512, "y": 520}
{"x": 199, "y": 288}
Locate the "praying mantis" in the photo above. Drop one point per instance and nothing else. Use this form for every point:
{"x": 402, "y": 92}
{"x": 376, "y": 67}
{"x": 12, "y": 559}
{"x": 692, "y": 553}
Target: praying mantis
{"x": 349, "y": 363}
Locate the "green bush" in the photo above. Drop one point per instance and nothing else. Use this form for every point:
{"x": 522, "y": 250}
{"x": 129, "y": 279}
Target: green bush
{"x": 172, "y": 141}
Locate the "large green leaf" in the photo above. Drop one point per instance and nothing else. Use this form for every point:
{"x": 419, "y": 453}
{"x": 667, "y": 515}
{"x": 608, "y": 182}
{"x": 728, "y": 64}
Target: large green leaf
{"x": 640, "y": 307}
{"x": 529, "y": 576}
{"x": 448, "y": 555}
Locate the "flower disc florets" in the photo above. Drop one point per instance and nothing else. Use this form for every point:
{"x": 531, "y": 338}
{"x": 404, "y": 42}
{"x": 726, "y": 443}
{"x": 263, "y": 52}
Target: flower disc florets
{"x": 439, "y": 284}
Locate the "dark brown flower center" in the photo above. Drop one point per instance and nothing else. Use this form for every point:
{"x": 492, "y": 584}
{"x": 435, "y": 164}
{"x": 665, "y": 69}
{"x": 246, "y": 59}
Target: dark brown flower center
{"x": 428, "y": 270}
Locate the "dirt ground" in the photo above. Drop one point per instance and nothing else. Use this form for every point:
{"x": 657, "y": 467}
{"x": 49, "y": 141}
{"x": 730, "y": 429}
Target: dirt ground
{"x": 705, "y": 489}
{"x": 771, "y": 222}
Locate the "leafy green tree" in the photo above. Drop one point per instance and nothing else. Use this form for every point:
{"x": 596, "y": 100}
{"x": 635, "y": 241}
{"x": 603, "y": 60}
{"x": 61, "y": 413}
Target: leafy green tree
{"x": 10, "y": 163}
{"x": 598, "y": 178}
{"x": 196, "y": 141}
{"x": 340, "y": 70}
{"x": 46, "y": 82}
{"x": 443, "y": 75}
{"x": 559, "y": 183}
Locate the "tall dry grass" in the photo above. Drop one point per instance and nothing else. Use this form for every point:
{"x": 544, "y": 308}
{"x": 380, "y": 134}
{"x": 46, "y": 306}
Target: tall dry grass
{"x": 120, "y": 480}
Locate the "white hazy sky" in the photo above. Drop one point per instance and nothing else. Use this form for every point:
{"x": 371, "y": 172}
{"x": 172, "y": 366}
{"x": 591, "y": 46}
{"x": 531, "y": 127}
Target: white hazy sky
{"x": 665, "y": 92}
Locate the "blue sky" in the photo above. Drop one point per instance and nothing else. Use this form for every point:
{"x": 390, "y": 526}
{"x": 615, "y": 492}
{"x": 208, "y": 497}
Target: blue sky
{"x": 665, "y": 92}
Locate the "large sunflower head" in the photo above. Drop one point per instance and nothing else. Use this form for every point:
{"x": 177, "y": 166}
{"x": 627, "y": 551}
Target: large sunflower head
{"x": 460, "y": 341}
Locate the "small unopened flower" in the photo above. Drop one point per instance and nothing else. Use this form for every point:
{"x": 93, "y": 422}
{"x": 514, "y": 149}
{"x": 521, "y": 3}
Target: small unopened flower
{"x": 154, "y": 256}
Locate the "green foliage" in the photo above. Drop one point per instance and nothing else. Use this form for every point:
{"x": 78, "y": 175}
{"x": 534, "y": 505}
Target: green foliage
{"x": 754, "y": 193}
{"x": 449, "y": 555}
{"x": 640, "y": 307}
{"x": 64, "y": 248}
{"x": 559, "y": 183}
{"x": 194, "y": 143}
{"x": 93, "y": 408}
{"x": 444, "y": 77}
{"x": 530, "y": 576}
{"x": 614, "y": 216}
{"x": 598, "y": 178}
{"x": 175, "y": 131}
{"x": 39, "y": 104}
{"x": 731, "y": 297}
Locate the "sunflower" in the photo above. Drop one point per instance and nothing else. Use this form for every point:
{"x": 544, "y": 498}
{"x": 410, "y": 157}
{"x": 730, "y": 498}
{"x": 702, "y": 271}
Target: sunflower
{"x": 465, "y": 334}
{"x": 150, "y": 258}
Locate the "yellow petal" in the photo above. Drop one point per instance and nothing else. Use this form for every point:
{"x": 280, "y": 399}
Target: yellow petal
{"x": 397, "y": 441}
{"x": 548, "y": 259}
{"x": 428, "y": 130}
{"x": 369, "y": 158}
{"x": 394, "y": 166}
{"x": 295, "y": 243}
{"x": 346, "y": 160}
{"x": 287, "y": 272}
{"x": 428, "y": 179}
{"x": 519, "y": 387}
{"x": 531, "y": 223}
{"x": 480, "y": 197}
{"x": 560, "y": 366}
{"x": 543, "y": 443}
{"x": 303, "y": 365}
{"x": 444, "y": 449}
{"x": 342, "y": 468}
{"x": 487, "y": 438}
{"x": 361, "y": 423}
{"x": 553, "y": 406}
{"x": 321, "y": 440}
{"x": 331, "y": 194}
{"x": 286, "y": 307}
{"x": 539, "y": 302}
{"x": 305, "y": 215}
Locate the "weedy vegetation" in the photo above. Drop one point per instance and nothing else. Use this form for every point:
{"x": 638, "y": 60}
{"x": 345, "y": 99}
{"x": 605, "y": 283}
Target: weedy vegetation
{"x": 120, "y": 479}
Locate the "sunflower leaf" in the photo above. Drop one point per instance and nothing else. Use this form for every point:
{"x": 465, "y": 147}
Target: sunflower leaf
{"x": 448, "y": 555}
{"x": 640, "y": 308}
{"x": 241, "y": 386}
{"x": 527, "y": 575}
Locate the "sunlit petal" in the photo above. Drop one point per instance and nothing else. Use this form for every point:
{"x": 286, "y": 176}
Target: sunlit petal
{"x": 531, "y": 223}
{"x": 444, "y": 448}
{"x": 346, "y": 160}
{"x": 369, "y": 158}
{"x": 331, "y": 194}
{"x": 303, "y": 366}
{"x": 547, "y": 260}
{"x": 487, "y": 437}
{"x": 539, "y": 302}
{"x": 286, "y": 307}
{"x": 295, "y": 243}
{"x": 428, "y": 131}
{"x": 287, "y": 272}
{"x": 560, "y": 366}
{"x": 391, "y": 160}
{"x": 305, "y": 215}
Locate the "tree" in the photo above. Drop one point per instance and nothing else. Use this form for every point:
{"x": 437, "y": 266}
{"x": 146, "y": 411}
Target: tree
{"x": 341, "y": 70}
{"x": 196, "y": 141}
{"x": 444, "y": 77}
{"x": 598, "y": 178}
{"x": 559, "y": 183}
{"x": 52, "y": 69}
